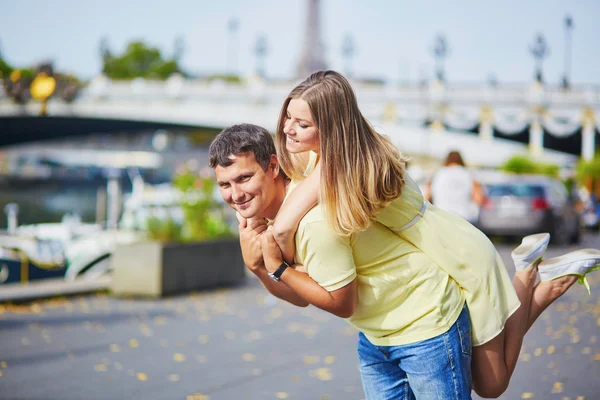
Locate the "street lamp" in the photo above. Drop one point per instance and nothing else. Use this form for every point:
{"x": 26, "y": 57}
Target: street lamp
{"x": 260, "y": 50}
{"x": 232, "y": 28}
{"x": 568, "y": 30}
{"x": 179, "y": 48}
{"x": 440, "y": 51}
{"x": 104, "y": 50}
{"x": 43, "y": 86}
{"x": 539, "y": 50}
{"x": 348, "y": 51}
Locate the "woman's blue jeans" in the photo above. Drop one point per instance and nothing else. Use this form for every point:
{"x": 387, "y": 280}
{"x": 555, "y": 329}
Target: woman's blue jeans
{"x": 436, "y": 368}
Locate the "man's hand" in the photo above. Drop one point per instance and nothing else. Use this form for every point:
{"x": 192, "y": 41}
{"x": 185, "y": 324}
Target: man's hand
{"x": 270, "y": 251}
{"x": 250, "y": 232}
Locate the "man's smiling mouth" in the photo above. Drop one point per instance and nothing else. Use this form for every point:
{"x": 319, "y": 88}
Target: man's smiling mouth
{"x": 243, "y": 204}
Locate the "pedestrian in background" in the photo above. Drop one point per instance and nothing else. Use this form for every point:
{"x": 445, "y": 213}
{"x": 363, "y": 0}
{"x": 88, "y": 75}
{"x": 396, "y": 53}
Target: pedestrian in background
{"x": 454, "y": 189}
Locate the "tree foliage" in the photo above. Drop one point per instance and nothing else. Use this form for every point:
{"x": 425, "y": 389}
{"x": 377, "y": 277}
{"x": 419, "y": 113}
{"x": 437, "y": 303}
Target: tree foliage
{"x": 588, "y": 169}
{"x": 5, "y": 69}
{"x": 139, "y": 61}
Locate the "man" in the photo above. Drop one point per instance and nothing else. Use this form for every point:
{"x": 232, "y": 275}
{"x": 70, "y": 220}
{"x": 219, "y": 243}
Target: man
{"x": 407, "y": 304}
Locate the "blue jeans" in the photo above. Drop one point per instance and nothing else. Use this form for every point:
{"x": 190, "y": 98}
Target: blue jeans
{"x": 436, "y": 368}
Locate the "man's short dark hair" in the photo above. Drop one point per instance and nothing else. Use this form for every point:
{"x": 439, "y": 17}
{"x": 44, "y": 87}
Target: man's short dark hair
{"x": 238, "y": 139}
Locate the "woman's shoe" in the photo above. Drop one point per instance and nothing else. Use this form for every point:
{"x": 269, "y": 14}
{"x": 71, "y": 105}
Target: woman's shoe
{"x": 530, "y": 250}
{"x": 578, "y": 262}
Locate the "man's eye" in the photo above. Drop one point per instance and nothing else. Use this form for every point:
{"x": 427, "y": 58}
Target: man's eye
{"x": 223, "y": 185}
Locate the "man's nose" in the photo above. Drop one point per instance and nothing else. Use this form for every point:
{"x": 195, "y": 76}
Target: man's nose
{"x": 236, "y": 193}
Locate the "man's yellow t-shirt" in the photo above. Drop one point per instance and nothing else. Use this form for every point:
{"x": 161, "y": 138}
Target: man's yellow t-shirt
{"x": 403, "y": 296}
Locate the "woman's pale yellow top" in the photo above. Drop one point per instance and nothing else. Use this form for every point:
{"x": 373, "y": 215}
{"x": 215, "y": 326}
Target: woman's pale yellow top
{"x": 462, "y": 251}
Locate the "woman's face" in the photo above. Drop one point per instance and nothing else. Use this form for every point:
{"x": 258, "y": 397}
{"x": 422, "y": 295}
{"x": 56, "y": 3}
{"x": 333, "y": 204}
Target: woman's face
{"x": 300, "y": 129}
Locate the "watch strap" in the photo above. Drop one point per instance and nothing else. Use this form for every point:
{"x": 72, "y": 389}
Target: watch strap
{"x": 279, "y": 271}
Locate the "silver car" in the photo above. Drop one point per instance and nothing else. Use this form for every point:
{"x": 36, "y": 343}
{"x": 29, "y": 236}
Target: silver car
{"x": 523, "y": 205}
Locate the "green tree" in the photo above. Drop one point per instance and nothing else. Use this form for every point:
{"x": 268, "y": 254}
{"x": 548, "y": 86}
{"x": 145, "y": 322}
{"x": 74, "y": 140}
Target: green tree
{"x": 588, "y": 172}
{"x": 5, "y": 69}
{"x": 139, "y": 61}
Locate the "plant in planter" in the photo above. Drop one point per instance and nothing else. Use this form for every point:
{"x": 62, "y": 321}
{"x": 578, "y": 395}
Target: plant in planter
{"x": 198, "y": 250}
{"x": 521, "y": 164}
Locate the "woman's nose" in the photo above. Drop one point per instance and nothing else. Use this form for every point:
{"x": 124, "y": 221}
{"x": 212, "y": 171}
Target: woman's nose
{"x": 287, "y": 126}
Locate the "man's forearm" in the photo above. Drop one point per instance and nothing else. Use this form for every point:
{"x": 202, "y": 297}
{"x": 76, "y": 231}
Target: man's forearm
{"x": 279, "y": 289}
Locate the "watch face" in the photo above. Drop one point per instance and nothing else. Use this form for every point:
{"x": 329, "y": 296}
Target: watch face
{"x": 276, "y": 279}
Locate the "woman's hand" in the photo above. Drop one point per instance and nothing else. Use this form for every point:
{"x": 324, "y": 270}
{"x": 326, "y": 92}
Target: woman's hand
{"x": 270, "y": 251}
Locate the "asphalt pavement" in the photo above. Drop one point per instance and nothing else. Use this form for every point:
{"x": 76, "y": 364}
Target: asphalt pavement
{"x": 241, "y": 343}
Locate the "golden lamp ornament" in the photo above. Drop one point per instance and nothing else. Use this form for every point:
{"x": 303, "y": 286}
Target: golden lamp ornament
{"x": 42, "y": 87}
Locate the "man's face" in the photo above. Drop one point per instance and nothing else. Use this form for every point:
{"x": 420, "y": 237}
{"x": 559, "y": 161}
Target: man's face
{"x": 246, "y": 187}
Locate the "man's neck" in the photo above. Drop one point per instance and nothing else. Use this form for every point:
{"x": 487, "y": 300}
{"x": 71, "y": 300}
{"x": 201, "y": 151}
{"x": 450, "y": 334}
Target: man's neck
{"x": 281, "y": 190}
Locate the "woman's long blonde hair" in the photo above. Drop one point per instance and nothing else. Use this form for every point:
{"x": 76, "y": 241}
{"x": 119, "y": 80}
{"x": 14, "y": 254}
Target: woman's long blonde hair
{"x": 361, "y": 170}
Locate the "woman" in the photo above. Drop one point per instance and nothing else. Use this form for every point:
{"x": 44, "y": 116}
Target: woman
{"x": 453, "y": 189}
{"x": 358, "y": 176}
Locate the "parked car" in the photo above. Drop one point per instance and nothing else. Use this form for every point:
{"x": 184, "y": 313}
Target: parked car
{"x": 522, "y": 205}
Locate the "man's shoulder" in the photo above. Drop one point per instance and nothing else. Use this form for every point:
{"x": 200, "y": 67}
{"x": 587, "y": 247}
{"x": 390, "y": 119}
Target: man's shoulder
{"x": 315, "y": 236}
{"x": 314, "y": 215}
{"x": 314, "y": 226}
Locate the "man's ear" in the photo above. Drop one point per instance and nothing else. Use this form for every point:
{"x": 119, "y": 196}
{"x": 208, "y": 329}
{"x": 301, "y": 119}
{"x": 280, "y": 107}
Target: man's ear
{"x": 274, "y": 165}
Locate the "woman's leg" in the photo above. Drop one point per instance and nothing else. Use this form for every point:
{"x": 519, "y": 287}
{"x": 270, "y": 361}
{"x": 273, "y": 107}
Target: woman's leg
{"x": 495, "y": 361}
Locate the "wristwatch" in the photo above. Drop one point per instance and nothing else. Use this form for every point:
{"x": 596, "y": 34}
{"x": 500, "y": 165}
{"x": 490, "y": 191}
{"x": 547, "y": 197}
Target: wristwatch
{"x": 277, "y": 274}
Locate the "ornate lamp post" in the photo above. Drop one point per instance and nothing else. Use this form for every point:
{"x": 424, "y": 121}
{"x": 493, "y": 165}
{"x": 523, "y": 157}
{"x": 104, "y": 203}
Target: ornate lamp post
{"x": 539, "y": 50}
{"x": 440, "y": 52}
{"x": 179, "y": 48}
{"x": 348, "y": 51}
{"x": 568, "y": 32}
{"x": 43, "y": 86}
{"x": 260, "y": 50}
{"x": 232, "y": 27}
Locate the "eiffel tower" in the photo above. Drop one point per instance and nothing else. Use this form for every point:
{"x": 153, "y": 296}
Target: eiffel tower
{"x": 312, "y": 57}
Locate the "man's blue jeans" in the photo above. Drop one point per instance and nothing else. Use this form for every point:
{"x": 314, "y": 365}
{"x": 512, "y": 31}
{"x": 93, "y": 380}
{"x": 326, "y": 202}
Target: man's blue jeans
{"x": 436, "y": 368}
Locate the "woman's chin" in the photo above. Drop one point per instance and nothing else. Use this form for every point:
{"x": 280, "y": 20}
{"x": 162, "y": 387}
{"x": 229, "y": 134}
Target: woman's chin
{"x": 293, "y": 149}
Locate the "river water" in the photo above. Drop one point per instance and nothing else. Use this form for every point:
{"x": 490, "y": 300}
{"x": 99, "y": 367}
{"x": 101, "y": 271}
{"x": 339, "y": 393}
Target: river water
{"x": 75, "y": 190}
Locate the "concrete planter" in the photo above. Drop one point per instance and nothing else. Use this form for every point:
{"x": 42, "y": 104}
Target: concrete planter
{"x": 156, "y": 269}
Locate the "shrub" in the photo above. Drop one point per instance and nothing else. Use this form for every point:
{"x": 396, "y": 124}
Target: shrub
{"x": 588, "y": 169}
{"x": 521, "y": 164}
{"x": 204, "y": 217}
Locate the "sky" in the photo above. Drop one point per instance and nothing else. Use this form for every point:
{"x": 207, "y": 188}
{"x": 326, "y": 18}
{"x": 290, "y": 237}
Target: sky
{"x": 393, "y": 38}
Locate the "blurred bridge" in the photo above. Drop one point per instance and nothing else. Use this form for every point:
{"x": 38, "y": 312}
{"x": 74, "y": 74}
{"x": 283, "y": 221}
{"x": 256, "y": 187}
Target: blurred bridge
{"x": 487, "y": 123}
